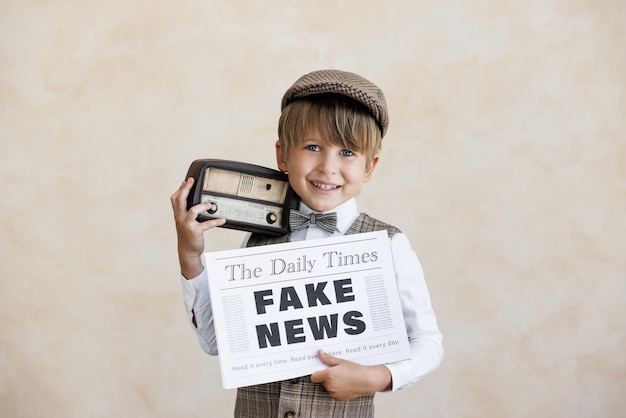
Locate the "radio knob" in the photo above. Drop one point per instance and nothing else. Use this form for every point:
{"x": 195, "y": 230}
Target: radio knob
{"x": 213, "y": 208}
{"x": 271, "y": 218}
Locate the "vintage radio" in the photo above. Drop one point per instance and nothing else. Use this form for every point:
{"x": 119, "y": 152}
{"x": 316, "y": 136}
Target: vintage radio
{"x": 251, "y": 198}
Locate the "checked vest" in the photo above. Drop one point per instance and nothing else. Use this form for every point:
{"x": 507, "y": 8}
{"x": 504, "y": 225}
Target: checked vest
{"x": 300, "y": 397}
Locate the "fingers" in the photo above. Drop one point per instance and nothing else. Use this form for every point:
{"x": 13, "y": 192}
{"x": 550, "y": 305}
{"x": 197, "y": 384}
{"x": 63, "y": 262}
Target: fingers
{"x": 179, "y": 198}
{"x": 328, "y": 359}
{"x": 318, "y": 377}
{"x": 188, "y": 217}
{"x": 194, "y": 211}
{"x": 212, "y": 223}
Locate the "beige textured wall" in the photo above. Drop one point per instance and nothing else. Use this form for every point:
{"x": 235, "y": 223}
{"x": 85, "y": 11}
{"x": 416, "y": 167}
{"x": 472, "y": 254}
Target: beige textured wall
{"x": 505, "y": 163}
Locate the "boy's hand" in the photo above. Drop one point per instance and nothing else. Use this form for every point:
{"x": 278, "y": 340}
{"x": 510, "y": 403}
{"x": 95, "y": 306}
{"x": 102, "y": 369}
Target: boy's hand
{"x": 190, "y": 232}
{"x": 345, "y": 380}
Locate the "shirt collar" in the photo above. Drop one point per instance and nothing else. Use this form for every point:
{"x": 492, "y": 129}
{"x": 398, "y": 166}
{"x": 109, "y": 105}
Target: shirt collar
{"x": 346, "y": 213}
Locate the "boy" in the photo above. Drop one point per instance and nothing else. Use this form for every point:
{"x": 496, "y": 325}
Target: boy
{"x": 330, "y": 132}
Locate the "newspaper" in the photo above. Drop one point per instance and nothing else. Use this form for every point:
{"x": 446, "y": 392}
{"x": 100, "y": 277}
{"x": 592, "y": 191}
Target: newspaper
{"x": 275, "y": 306}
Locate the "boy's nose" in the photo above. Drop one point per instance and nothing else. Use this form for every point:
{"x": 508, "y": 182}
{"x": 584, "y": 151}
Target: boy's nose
{"x": 327, "y": 164}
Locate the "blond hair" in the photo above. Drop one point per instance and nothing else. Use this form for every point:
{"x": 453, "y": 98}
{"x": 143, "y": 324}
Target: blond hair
{"x": 340, "y": 120}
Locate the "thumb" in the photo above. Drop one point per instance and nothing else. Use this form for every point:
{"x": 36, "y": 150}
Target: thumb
{"x": 328, "y": 359}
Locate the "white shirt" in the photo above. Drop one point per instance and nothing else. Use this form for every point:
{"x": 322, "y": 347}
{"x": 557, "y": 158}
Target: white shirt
{"x": 425, "y": 339}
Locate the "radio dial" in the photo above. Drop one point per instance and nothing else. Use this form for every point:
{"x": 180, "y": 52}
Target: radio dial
{"x": 213, "y": 208}
{"x": 271, "y": 218}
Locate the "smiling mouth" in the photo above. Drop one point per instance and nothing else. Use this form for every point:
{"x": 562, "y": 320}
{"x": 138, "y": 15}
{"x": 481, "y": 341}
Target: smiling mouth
{"x": 325, "y": 186}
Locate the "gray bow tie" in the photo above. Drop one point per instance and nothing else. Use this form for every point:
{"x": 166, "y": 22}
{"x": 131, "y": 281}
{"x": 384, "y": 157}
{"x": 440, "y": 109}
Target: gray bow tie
{"x": 326, "y": 221}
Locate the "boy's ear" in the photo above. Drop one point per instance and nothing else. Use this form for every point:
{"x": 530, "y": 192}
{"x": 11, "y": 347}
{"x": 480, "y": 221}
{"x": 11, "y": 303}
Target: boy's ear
{"x": 280, "y": 158}
{"x": 370, "y": 170}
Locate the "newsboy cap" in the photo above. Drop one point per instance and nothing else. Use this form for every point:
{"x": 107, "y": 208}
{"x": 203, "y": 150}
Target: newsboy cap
{"x": 344, "y": 83}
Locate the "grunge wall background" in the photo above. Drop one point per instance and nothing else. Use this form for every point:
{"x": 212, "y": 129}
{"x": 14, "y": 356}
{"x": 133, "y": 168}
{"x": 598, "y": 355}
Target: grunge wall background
{"x": 505, "y": 163}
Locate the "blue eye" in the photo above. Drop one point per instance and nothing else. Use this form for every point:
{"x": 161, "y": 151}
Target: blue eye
{"x": 313, "y": 147}
{"x": 346, "y": 153}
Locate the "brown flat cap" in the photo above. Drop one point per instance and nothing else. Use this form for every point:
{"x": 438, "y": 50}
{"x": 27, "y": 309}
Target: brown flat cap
{"x": 345, "y": 83}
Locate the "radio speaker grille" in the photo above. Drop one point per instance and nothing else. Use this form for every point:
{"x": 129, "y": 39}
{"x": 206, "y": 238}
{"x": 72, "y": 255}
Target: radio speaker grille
{"x": 247, "y": 184}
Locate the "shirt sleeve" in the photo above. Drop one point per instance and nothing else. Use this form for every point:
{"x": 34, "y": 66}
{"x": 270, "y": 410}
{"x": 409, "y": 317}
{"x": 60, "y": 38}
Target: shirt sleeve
{"x": 425, "y": 339}
{"x": 198, "y": 305}
{"x": 197, "y": 298}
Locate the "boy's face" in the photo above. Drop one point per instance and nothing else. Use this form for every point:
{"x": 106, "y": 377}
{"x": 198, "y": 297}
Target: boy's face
{"x": 322, "y": 174}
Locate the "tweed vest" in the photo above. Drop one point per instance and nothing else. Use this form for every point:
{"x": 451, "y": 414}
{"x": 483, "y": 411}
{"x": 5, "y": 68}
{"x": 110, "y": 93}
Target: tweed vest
{"x": 300, "y": 397}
